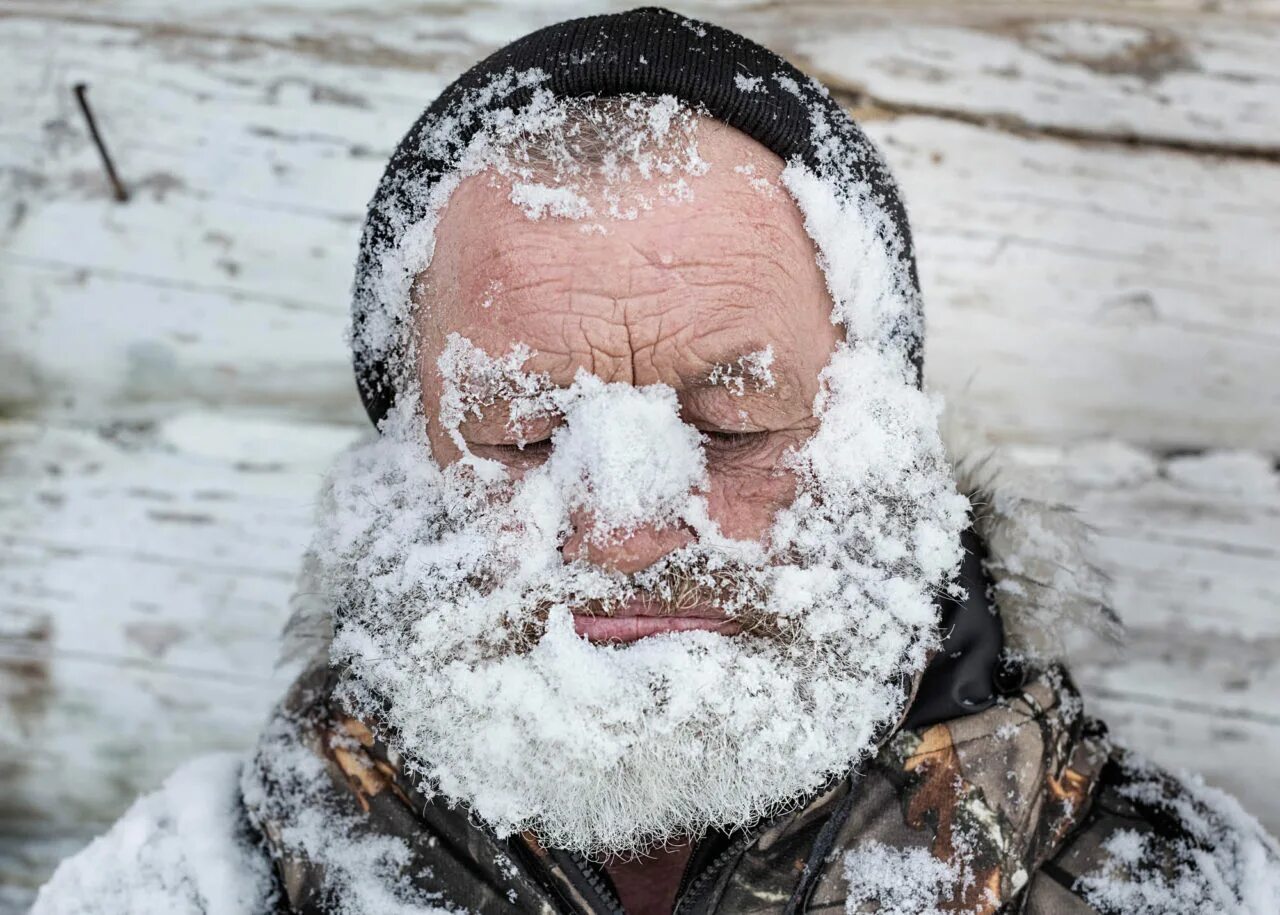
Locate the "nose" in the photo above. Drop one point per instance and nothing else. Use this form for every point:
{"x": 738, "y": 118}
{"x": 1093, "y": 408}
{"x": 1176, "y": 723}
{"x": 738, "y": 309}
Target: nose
{"x": 626, "y": 552}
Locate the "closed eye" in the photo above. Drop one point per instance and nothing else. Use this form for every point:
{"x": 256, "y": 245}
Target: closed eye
{"x": 515, "y": 452}
{"x": 723, "y": 441}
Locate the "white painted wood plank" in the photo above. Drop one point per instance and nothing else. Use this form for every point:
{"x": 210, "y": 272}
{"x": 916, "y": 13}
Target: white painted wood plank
{"x": 1237, "y": 755}
{"x": 1183, "y": 82}
{"x": 1074, "y": 291}
{"x": 1192, "y": 74}
{"x": 94, "y": 342}
{"x": 296, "y": 260}
{"x": 1192, "y": 542}
{"x": 1192, "y": 545}
{"x": 1077, "y": 292}
{"x": 144, "y": 575}
{"x": 24, "y": 861}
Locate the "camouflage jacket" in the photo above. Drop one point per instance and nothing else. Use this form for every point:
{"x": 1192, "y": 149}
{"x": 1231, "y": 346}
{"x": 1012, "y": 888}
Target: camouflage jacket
{"x": 1021, "y": 808}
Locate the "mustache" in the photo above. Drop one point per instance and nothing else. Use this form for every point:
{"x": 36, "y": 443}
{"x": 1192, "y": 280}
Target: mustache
{"x": 671, "y": 590}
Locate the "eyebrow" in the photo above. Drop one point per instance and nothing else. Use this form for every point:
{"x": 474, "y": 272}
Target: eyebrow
{"x": 715, "y": 376}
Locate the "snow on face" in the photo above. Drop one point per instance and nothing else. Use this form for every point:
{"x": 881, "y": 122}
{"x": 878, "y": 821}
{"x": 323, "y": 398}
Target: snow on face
{"x": 448, "y": 556}
{"x": 751, "y": 368}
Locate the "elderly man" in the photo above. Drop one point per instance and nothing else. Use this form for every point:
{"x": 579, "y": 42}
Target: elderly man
{"x": 656, "y": 591}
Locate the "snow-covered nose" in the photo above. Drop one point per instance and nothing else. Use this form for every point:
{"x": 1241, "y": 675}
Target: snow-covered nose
{"x": 624, "y": 457}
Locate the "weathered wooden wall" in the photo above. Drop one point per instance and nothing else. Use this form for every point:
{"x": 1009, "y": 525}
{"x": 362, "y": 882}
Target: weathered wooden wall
{"x": 1096, "y": 195}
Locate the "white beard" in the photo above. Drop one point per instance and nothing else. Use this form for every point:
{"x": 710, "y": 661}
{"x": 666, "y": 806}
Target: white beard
{"x": 454, "y": 614}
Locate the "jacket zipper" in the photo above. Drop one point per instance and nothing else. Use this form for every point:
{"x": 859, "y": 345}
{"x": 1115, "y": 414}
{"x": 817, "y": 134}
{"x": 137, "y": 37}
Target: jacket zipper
{"x": 689, "y": 895}
{"x": 691, "y": 891}
{"x": 605, "y": 903}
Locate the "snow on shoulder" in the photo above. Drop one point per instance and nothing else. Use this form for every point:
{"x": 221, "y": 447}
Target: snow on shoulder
{"x": 185, "y": 849}
{"x": 1209, "y": 854}
{"x": 903, "y": 881}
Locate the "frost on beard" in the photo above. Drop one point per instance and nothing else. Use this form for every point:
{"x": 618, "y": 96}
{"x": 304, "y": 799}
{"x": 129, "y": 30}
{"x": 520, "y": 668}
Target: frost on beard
{"x": 455, "y": 604}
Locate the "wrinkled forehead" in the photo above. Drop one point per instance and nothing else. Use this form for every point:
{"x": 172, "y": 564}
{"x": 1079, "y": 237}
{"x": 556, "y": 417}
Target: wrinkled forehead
{"x": 718, "y": 267}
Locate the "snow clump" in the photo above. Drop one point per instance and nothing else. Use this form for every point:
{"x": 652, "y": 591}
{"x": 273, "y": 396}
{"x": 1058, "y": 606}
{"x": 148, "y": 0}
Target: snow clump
{"x": 903, "y": 881}
{"x": 1223, "y": 861}
{"x": 185, "y": 849}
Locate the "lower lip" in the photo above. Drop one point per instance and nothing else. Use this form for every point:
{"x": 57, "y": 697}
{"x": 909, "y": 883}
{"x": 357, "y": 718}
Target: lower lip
{"x": 624, "y": 629}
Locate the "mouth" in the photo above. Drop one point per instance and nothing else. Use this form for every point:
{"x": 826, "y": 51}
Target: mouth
{"x": 639, "y": 618}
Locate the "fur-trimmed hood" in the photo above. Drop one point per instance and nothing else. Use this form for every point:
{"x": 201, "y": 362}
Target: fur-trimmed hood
{"x": 1046, "y": 582}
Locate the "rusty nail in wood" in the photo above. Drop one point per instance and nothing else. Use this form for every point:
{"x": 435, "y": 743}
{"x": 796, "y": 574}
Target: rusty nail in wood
{"x": 122, "y": 195}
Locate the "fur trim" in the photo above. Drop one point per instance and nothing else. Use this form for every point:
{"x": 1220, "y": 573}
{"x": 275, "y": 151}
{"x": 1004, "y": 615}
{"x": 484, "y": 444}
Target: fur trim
{"x": 1050, "y": 591}
{"x": 308, "y": 634}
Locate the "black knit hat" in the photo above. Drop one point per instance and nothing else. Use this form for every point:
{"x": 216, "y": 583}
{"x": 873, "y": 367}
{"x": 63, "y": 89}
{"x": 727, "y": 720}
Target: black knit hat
{"x": 647, "y": 51}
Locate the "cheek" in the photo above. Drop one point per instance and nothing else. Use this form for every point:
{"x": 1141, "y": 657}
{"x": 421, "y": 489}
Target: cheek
{"x": 443, "y": 449}
{"x": 744, "y": 502}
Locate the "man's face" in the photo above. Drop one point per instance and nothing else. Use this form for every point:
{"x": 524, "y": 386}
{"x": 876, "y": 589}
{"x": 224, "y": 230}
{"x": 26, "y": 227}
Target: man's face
{"x": 690, "y": 294}
{"x": 656, "y": 549}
